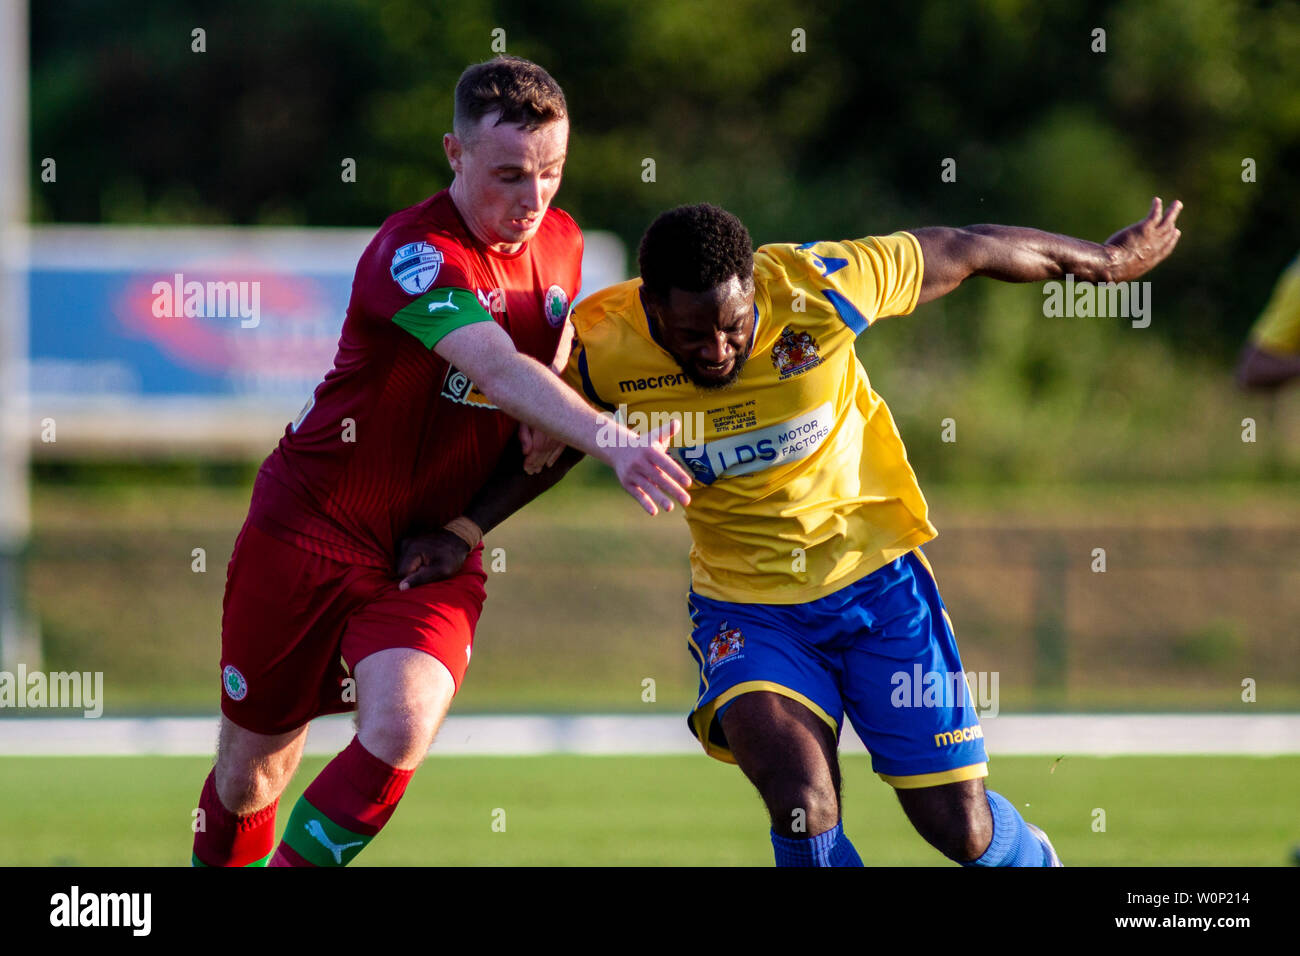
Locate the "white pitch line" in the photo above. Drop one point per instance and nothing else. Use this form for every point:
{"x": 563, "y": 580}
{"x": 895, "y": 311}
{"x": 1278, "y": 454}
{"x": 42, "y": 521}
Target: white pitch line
{"x": 524, "y": 735}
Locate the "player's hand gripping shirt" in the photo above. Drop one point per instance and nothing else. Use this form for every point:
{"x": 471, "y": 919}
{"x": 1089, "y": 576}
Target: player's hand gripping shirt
{"x": 802, "y": 482}
{"x": 396, "y": 441}
{"x": 1277, "y": 329}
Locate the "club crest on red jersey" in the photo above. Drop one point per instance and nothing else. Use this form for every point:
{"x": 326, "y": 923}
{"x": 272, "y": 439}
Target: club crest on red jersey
{"x": 726, "y": 644}
{"x": 795, "y": 352}
{"x": 233, "y": 682}
{"x": 555, "y": 306}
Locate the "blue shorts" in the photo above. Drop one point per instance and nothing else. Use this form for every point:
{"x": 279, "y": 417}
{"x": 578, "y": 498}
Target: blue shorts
{"x": 881, "y": 650}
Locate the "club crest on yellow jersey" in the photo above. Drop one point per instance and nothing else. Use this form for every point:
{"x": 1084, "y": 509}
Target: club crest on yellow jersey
{"x": 795, "y": 352}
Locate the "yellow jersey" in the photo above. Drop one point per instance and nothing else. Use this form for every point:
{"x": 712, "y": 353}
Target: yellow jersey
{"x": 1278, "y": 327}
{"x": 802, "y": 484}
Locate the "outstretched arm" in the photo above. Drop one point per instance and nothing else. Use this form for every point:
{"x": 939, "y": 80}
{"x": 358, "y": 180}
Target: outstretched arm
{"x": 1016, "y": 254}
{"x": 527, "y": 390}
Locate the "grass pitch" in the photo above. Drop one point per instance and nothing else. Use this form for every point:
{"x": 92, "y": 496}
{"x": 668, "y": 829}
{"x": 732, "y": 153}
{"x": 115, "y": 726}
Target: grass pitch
{"x": 610, "y": 811}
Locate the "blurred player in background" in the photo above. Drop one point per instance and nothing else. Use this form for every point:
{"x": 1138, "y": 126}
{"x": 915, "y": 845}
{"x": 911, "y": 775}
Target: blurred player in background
{"x": 1271, "y": 357}
{"x": 458, "y": 304}
{"x": 810, "y": 596}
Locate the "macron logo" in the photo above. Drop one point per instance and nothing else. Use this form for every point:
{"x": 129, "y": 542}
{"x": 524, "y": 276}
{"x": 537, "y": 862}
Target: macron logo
{"x": 435, "y": 306}
{"x": 318, "y": 833}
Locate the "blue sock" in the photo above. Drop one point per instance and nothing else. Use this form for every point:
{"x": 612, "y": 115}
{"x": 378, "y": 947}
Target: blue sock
{"x": 831, "y": 848}
{"x": 1013, "y": 843}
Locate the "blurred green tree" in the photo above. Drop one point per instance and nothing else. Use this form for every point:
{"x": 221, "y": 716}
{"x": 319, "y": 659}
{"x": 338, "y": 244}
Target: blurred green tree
{"x": 824, "y": 120}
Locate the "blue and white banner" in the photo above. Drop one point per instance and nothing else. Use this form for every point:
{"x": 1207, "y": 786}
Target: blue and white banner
{"x": 169, "y": 337}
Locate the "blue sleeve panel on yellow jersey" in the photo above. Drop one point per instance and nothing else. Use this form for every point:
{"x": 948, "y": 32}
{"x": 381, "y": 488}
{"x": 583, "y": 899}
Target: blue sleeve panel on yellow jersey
{"x": 863, "y": 279}
{"x": 847, "y": 311}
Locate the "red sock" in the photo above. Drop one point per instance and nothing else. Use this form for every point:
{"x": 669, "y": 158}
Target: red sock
{"x": 354, "y": 796}
{"x": 227, "y": 839}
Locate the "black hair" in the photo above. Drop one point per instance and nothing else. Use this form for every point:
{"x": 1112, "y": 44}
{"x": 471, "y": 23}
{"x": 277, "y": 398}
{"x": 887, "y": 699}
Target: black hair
{"x": 694, "y": 248}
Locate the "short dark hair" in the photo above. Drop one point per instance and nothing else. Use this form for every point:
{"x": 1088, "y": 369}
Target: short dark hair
{"x": 522, "y": 91}
{"x": 694, "y": 248}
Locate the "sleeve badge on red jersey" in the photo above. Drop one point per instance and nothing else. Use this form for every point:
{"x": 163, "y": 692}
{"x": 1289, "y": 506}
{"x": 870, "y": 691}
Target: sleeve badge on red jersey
{"x": 415, "y": 266}
{"x": 556, "y": 306}
{"x": 457, "y": 387}
{"x": 234, "y": 683}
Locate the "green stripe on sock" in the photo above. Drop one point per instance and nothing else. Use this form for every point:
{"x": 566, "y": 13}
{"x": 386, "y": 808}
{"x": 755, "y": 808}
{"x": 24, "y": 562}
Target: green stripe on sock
{"x": 317, "y": 838}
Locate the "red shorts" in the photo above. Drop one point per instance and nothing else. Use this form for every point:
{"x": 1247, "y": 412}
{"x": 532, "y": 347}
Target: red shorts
{"x": 295, "y": 625}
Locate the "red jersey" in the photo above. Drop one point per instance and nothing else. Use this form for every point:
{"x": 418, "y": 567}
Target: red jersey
{"x": 395, "y": 441}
